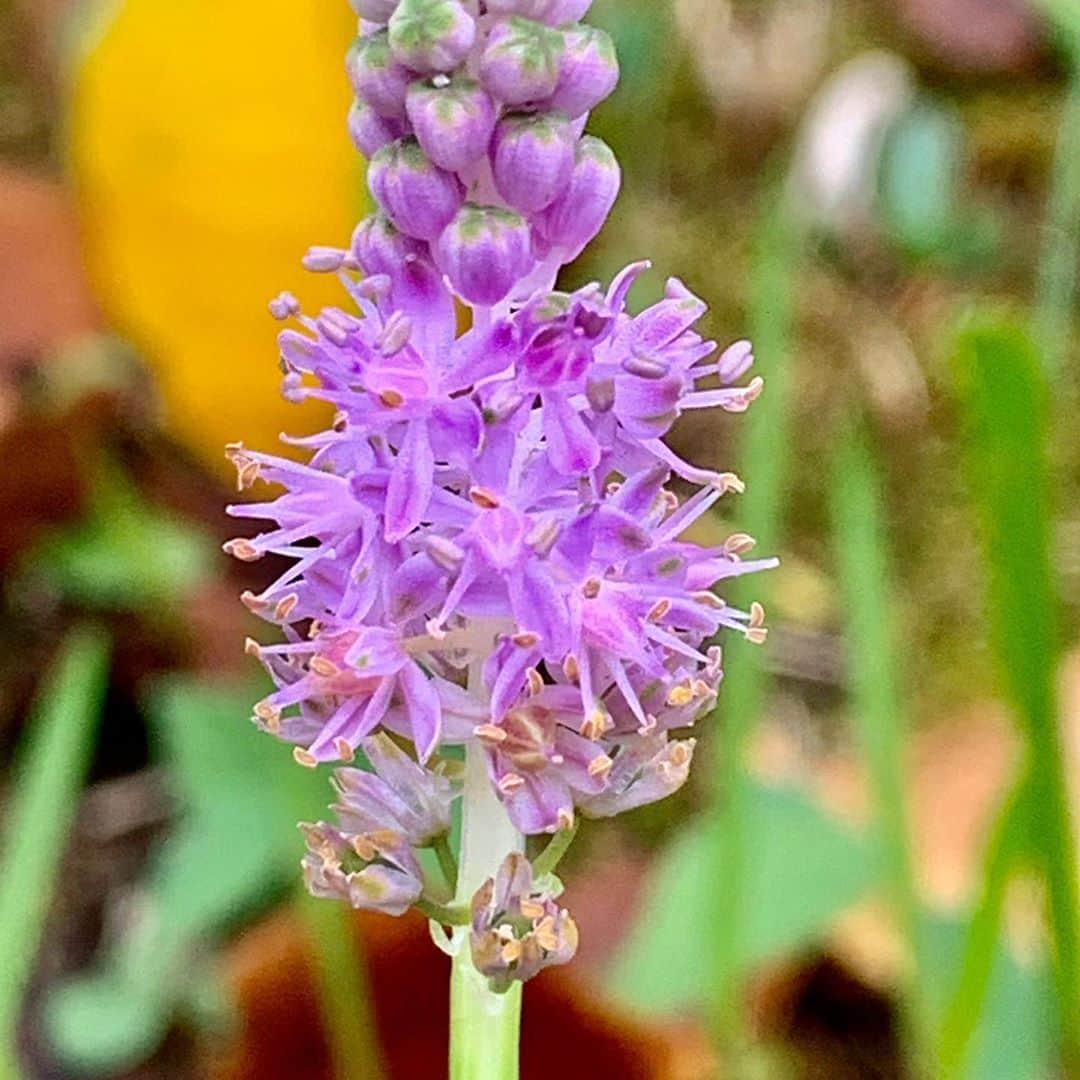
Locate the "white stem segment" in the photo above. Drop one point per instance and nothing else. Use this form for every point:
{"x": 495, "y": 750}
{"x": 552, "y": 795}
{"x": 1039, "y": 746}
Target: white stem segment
{"x": 484, "y": 1026}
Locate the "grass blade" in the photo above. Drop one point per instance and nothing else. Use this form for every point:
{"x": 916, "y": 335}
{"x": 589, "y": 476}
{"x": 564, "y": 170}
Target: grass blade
{"x": 764, "y": 465}
{"x": 344, "y": 997}
{"x": 856, "y": 504}
{"x": 1003, "y": 392}
{"x": 965, "y": 1006}
{"x": 50, "y": 773}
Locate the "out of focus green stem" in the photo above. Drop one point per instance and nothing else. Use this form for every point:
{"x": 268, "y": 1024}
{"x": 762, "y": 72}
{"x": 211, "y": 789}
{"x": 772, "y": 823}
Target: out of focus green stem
{"x": 344, "y": 996}
{"x": 1056, "y": 288}
{"x": 1006, "y": 848}
{"x": 49, "y": 774}
{"x": 856, "y": 502}
{"x": 764, "y": 466}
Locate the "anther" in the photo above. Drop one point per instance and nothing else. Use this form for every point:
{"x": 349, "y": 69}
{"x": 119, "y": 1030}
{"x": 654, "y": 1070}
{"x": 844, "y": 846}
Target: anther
{"x": 242, "y": 549}
{"x": 327, "y": 669}
{"x": 485, "y": 499}
{"x": 491, "y": 734}
{"x": 739, "y": 544}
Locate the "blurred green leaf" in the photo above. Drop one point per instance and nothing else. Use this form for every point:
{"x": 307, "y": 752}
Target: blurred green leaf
{"x": 806, "y": 867}
{"x": 1004, "y": 399}
{"x": 123, "y": 555}
{"x": 1015, "y": 1039}
{"x": 236, "y": 843}
{"x": 49, "y": 775}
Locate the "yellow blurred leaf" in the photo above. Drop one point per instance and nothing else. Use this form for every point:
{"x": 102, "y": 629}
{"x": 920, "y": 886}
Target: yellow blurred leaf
{"x": 208, "y": 144}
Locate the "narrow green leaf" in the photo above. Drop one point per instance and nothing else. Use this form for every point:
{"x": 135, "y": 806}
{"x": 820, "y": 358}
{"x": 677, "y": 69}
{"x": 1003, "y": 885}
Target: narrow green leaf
{"x": 857, "y": 506}
{"x": 49, "y": 775}
{"x": 764, "y": 466}
{"x": 967, "y": 999}
{"x": 341, "y": 975}
{"x": 1004, "y": 399}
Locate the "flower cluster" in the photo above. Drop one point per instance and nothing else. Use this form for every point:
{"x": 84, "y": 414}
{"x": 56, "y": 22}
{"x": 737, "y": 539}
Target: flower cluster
{"x": 472, "y": 120}
{"x": 485, "y": 547}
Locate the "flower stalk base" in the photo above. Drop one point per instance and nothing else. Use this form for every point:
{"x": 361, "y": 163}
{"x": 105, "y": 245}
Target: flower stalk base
{"x": 484, "y": 1026}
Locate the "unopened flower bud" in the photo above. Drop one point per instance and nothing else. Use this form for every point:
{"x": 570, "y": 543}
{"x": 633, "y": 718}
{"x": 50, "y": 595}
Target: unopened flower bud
{"x": 517, "y": 928}
{"x": 735, "y": 361}
{"x": 377, "y": 11}
{"x": 323, "y": 260}
{"x": 532, "y": 157}
{"x": 520, "y": 63}
{"x": 588, "y": 71}
{"x": 431, "y": 35}
{"x": 453, "y": 120}
{"x": 552, "y": 12}
{"x": 370, "y": 131}
{"x": 484, "y": 251}
{"x": 382, "y": 249}
{"x": 579, "y": 212}
{"x": 376, "y": 76}
{"x": 418, "y": 197}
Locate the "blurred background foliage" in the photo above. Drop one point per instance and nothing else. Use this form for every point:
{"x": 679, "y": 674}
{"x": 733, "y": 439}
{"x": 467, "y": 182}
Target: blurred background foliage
{"x": 873, "y": 871}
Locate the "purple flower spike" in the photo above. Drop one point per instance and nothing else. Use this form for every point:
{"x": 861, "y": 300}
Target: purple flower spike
{"x": 484, "y": 251}
{"x": 517, "y": 928}
{"x": 552, "y": 12}
{"x": 376, "y": 76}
{"x": 377, "y": 11}
{"x": 418, "y": 197}
{"x": 532, "y": 157}
{"x": 520, "y": 63}
{"x": 453, "y": 120}
{"x": 485, "y": 549}
{"x": 369, "y": 131}
{"x": 431, "y": 35}
{"x": 589, "y": 71}
{"x": 579, "y": 212}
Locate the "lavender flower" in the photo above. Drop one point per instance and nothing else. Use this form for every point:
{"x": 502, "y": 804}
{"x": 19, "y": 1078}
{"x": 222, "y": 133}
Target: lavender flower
{"x": 484, "y": 549}
{"x": 517, "y": 928}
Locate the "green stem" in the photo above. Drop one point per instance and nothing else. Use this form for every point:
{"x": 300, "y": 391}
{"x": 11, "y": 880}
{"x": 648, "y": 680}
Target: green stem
{"x": 857, "y": 508}
{"x": 484, "y": 1026}
{"x": 443, "y": 914}
{"x": 557, "y": 847}
{"x": 965, "y": 1005}
{"x": 344, "y": 998}
{"x": 764, "y": 463}
{"x": 447, "y": 862}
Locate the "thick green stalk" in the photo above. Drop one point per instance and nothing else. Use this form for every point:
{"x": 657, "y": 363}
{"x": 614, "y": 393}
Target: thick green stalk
{"x": 484, "y": 1026}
